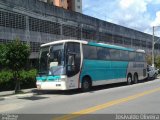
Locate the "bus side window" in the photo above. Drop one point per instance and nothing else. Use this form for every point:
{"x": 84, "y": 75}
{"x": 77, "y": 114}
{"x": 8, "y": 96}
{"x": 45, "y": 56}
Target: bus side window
{"x": 139, "y": 57}
{"x": 142, "y": 57}
{"x": 115, "y": 54}
{"x": 132, "y": 56}
{"x": 124, "y": 55}
{"x": 101, "y": 54}
{"x": 107, "y": 53}
{"x": 89, "y": 52}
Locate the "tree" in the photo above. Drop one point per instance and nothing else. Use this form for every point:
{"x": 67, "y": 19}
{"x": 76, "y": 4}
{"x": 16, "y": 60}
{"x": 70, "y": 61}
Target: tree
{"x": 3, "y": 52}
{"x": 15, "y": 58}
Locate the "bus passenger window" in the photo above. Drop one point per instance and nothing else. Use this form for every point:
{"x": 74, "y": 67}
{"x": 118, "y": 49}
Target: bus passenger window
{"x": 101, "y": 53}
{"x": 90, "y": 52}
{"x": 115, "y": 54}
{"x": 124, "y": 55}
{"x": 132, "y": 56}
{"x": 107, "y": 54}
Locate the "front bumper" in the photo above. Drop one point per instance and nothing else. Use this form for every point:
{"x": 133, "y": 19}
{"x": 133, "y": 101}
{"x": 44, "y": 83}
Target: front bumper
{"x": 51, "y": 85}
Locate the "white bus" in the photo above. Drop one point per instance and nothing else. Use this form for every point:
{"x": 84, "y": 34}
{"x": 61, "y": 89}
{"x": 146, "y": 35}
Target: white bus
{"x": 72, "y": 64}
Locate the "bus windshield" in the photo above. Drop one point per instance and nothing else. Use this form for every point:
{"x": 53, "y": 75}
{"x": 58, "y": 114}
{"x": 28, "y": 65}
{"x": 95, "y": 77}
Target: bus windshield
{"x": 52, "y": 60}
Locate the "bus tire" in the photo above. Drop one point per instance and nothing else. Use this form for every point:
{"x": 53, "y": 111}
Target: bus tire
{"x": 135, "y": 78}
{"x": 129, "y": 79}
{"x": 86, "y": 84}
{"x": 155, "y": 76}
{"x": 148, "y": 78}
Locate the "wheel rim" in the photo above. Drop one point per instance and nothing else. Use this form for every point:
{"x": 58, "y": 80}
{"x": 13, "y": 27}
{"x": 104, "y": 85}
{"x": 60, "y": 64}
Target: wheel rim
{"x": 135, "y": 79}
{"x": 86, "y": 85}
{"x": 129, "y": 80}
{"x": 155, "y": 75}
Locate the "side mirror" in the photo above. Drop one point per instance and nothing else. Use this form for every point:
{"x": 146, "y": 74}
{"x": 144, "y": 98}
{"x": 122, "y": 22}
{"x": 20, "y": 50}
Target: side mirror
{"x": 70, "y": 62}
{"x": 70, "y": 59}
{"x": 48, "y": 55}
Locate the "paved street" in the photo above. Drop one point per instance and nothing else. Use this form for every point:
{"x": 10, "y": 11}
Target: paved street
{"x": 116, "y": 98}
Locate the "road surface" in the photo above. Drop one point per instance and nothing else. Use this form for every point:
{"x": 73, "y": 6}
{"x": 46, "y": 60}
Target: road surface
{"x": 140, "y": 98}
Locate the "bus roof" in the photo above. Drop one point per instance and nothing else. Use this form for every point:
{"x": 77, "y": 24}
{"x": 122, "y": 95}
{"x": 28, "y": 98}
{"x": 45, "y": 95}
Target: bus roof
{"x": 140, "y": 50}
{"x": 62, "y": 41}
{"x": 94, "y": 44}
{"x": 110, "y": 46}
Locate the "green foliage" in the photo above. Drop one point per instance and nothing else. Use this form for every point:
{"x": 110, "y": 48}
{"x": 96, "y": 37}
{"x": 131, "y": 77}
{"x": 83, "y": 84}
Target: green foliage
{"x": 149, "y": 59}
{"x": 14, "y": 56}
{"x": 6, "y": 82}
{"x": 3, "y": 52}
{"x": 27, "y": 79}
{"x": 17, "y": 55}
{"x": 157, "y": 61}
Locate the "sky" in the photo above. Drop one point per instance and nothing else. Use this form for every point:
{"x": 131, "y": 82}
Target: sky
{"x": 140, "y": 15}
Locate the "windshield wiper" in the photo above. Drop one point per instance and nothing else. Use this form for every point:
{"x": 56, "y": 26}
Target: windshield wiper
{"x": 42, "y": 73}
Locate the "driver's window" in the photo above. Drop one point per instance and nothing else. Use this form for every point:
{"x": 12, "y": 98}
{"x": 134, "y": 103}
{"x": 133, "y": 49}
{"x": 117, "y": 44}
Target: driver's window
{"x": 73, "y": 58}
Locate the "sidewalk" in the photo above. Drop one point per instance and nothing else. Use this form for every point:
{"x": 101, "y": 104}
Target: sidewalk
{"x": 7, "y": 93}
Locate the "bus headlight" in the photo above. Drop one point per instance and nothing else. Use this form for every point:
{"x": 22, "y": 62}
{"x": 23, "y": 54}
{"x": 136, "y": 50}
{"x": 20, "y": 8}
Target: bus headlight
{"x": 63, "y": 78}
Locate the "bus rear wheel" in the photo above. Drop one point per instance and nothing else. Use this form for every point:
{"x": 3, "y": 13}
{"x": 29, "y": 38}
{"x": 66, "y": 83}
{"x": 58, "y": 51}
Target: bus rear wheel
{"x": 129, "y": 79}
{"x": 86, "y": 84}
{"x": 135, "y": 78}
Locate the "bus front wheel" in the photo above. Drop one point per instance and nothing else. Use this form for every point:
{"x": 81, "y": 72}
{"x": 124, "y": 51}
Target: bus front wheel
{"x": 86, "y": 84}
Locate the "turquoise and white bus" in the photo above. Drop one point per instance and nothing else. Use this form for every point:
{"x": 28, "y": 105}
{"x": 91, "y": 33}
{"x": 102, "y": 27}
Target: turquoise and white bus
{"x": 72, "y": 64}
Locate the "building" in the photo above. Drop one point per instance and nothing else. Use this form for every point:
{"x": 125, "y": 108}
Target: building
{"x": 36, "y": 22}
{"x": 74, "y": 5}
{"x": 61, "y": 3}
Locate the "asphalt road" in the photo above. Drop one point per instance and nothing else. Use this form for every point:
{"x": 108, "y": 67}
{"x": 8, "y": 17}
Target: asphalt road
{"x": 140, "y": 98}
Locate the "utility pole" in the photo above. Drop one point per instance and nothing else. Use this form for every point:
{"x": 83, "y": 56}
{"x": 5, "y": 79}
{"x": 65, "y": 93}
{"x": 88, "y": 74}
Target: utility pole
{"x": 81, "y": 30}
{"x": 27, "y": 31}
{"x": 153, "y": 48}
{"x": 153, "y": 43}
{"x": 61, "y": 30}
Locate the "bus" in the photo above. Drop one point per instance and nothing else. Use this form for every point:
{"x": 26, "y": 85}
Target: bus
{"x": 73, "y": 64}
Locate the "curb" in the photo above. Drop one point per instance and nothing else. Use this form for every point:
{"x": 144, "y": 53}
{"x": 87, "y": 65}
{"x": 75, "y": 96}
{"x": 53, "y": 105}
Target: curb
{"x": 12, "y": 93}
{"x": 17, "y": 96}
{"x": 1, "y": 98}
